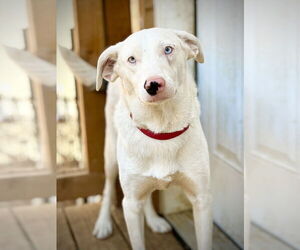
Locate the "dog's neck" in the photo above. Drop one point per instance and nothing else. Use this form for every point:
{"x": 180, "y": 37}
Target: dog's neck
{"x": 171, "y": 115}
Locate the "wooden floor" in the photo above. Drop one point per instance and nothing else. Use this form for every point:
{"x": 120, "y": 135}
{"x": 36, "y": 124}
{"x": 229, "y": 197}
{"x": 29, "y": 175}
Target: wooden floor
{"x": 261, "y": 240}
{"x": 183, "y": 224}
{"x": 28, "y": 227}
{"x": 69, "y": 227}
{"x": 75, "y": 225}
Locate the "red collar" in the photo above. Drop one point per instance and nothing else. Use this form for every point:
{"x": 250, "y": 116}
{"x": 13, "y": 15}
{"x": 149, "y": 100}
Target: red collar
{"x": 162, "y": 136}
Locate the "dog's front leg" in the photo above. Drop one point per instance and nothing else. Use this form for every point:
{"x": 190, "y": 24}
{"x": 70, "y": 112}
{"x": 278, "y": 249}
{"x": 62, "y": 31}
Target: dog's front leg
{"x": 136, "y": 190}
{"x": 203, "y": 220}
{"x": 197, "y": 188}
{"x": 134, "y": 216}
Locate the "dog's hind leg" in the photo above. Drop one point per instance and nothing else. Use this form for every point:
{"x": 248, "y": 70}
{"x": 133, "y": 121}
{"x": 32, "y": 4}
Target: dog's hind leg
{"x": 154, "y": 221}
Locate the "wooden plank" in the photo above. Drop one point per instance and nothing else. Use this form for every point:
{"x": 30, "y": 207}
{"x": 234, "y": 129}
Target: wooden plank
{"x": 153, "y": 240}
{"x": 14, "y": 203}
{"x": 221, "y": 241}
{"x": 64, "y": 237}
{"x": 67, "y": 203}
{"x": 149, "y": 16}
{"x": 96, "y": 27}
{"x": 82, "y": 220}
{"x": 11, "y": 235}
{"x": 137, "y": 15}
{"x": 183, "y": 224}
{"x": 141, "y": 14}
{"x": 39, "y": 223}
{"x": 89, "y": 41}
{"x": 117, "y": 26}
{"x": 72, "y": 187}
{"x": 261, "y": 240}
{"x": 27, "y": 187}
{"x": 41, "y": 40}
{"x": 42, "y": 29}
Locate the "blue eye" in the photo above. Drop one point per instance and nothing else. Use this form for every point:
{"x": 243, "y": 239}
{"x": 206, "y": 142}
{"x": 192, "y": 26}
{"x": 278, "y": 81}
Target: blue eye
{"x": 131, "y": 59}
{"x": 168, "y": 50}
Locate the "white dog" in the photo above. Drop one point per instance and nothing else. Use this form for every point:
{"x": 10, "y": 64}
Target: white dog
{"x": 153, "y": 131}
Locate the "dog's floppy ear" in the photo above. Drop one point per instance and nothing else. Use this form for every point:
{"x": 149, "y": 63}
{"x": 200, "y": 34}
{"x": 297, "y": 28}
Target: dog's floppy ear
{"x": 105, "y": 65}
{"x": 192, "y": 45}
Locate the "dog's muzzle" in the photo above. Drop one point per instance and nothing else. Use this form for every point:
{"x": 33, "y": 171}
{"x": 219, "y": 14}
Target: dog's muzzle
{"x": 154, "y": 85}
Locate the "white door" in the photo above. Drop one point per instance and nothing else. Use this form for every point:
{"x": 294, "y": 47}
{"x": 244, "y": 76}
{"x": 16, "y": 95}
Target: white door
{"x": 272, "y": 116}
{"x": 179, "y": 14}
{"x": 220, "y": 80}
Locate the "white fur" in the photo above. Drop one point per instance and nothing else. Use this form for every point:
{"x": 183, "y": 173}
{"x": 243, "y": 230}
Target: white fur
{"x": 146, "y": 164}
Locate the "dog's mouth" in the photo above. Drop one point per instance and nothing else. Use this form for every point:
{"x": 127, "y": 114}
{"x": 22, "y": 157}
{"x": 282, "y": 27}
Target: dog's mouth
{"x": 157, "y": 99}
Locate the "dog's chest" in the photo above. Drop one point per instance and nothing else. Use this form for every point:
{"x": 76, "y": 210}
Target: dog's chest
{"x": 161, "y": 169}
{"x": 164, "y": 183}
{"x": 154, "y": 158}
{"x": 148, "y": 157}
{"x": 140, "y": 154}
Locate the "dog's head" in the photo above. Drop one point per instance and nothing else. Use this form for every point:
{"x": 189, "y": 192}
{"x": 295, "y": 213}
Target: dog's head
{"x": 151, "y": 63}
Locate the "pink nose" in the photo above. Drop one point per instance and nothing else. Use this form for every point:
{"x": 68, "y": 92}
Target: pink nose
{"x": 154, "y": 85}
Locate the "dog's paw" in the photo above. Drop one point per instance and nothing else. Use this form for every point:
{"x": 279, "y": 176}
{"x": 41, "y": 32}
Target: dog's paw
{"x": 159, "y": 225}
{"x": 103, "y": 228}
